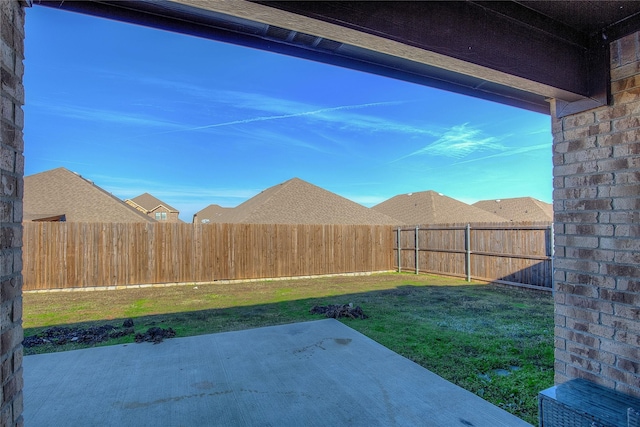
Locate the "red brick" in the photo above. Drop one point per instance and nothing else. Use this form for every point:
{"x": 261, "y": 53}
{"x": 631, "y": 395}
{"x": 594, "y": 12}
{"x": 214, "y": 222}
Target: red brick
{"x": 560, "y": 372}
{"x": 578, "y": 120}
{"x": 600, "y": 128}
{"x": 626, "y": 123}
{"x": 590, "y": 229}
{"x": 576, "y": 168}
{"x": 617, "y": 164}
{"x": 587, "y": 364}
{"x": 627, "y": 312}
{"x": 6, "y": 416}
{"x": 585, "y": 339}
{"x": 629, "y": 285}
{"x": 579, "y": 265}
{"x": 628, "y": 48}
{"x": 627, "y": 258}
{"x": 577, "y": 313}
{"x": 591, "y": 279}
{"x": 557, "y": 159}
{"x": 18, "y": 407}
{"x": 627, "y": 96}
{"x": 581, "y": 350}
{"x": 589, "y": 254}
{"x": 620, "y": 243}
{"x": 10, "y": 339}
{"x": 621, "y": 270}
{"x": 589, "y": 180}
{"x": 618, "y": 322}
{"x": 627, "y": 337}
{"x": 588, "y": 155}
{"x": 587, "y": 291}
{"x": 619, "y": 296}
{"x": 615, "y": 139}
{"x": 625, "y": 84}
{"x": 570, "y": 217}
{"x": 614, "y": 373}
{"x": 583, "y": 132}
{"x": 625, "y": 150}
{"x": 576, "y": 372}
{"x": 623, "y": 177}
{"x": 606, "y": 114}
{"x": 590, "y": 304}
{"x": 620, "y": 349}
{"x": 10, "y": 288}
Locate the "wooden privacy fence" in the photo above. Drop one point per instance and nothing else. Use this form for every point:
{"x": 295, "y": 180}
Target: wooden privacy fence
{"x": 76, "y": 255}
{"x": 510, "y": 253}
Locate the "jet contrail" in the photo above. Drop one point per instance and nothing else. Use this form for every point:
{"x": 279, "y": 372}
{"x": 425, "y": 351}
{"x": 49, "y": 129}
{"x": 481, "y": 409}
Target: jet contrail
{"x": 286, "y": 116}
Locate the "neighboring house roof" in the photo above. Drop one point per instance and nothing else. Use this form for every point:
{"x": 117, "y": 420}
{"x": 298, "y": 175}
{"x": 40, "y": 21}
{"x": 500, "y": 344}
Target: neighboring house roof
{"x": 429, "y": 207}
{"x": 518, "y": 209}
{"x": 60, "y": 192}
{"x": 298, "y": 202}
{"x": 151, "y": 203}
{"x": 211, "y": 213}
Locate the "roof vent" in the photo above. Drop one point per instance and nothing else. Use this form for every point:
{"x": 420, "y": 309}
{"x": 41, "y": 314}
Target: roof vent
{"x": 498, "y": 201}
{"x": 278, "y": 33}
{"x": 305, "y": 39}
{"x": 329, "y": 44}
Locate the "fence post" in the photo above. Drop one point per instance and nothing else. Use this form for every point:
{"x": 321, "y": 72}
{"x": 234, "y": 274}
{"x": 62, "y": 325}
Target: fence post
{"x": 399, "y": 249}
{"x": 417, "y": 252}
{"x": 467, "y": 254}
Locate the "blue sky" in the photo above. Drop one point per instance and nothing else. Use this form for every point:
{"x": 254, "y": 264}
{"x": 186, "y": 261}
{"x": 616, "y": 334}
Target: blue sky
{"x": 195, "y": 122}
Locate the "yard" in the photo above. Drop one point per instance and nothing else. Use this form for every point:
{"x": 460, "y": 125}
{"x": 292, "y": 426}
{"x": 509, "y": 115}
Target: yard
{"x": 494, "y": 341}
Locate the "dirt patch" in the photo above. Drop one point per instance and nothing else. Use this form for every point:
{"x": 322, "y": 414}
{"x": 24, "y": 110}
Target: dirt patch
{"x": 155, "y": 335}
{"x": 60, "y": 335}
{"x": 338, "y": 311}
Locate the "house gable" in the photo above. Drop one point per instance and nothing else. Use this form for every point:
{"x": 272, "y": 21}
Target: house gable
{"x": 60, "y": 192}
{"x": 430, "y": 207}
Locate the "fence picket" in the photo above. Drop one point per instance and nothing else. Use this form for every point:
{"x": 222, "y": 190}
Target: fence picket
{"x": 73, "y": 255}
{"x": 517, "y": 253}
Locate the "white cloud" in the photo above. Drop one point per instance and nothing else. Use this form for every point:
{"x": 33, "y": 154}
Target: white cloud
{"x": 511, "y": 152}
{"x": 458, "y": 142}
{"x": 124, "y": 187}
{"x": 102, "y": 115}
{"x": 322, "y": 114}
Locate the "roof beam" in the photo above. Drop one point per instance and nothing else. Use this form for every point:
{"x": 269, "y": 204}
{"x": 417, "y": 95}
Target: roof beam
{"x": 494, "y": 39}
{"x": 500, "y": 51}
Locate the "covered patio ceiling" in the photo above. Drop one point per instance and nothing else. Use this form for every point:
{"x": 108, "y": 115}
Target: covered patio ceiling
{"x": 519, "y": 53}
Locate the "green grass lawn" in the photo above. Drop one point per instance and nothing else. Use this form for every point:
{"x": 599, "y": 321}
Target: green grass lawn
{"x": 494, "y": 341}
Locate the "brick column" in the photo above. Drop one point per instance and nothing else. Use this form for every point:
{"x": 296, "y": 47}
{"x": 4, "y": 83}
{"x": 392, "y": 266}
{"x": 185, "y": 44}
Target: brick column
{"x": 11, "y": 178}
{"x": 596, "y": 158}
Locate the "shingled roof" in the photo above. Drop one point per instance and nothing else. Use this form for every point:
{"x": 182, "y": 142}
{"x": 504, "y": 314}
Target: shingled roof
{"x": 518, "y": 209}
{"x": 62, "y": 192}
{"x": 298, "y": 202}
{"x": 149, "y": 203}
{"x": 212, "y": 213}
{"x": 430, "y": 207}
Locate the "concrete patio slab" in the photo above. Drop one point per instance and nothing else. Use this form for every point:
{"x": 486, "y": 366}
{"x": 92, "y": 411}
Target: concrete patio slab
{"x": 304, "y": 374}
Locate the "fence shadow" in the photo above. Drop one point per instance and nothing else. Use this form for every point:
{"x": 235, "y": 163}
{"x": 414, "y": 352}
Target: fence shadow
{"x": 478, "y": 299}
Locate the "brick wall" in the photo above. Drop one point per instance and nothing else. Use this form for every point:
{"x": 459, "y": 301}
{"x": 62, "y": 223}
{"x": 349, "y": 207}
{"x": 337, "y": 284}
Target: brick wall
{"x": 11, "y": 175}
{"x": 596, "y": 157}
